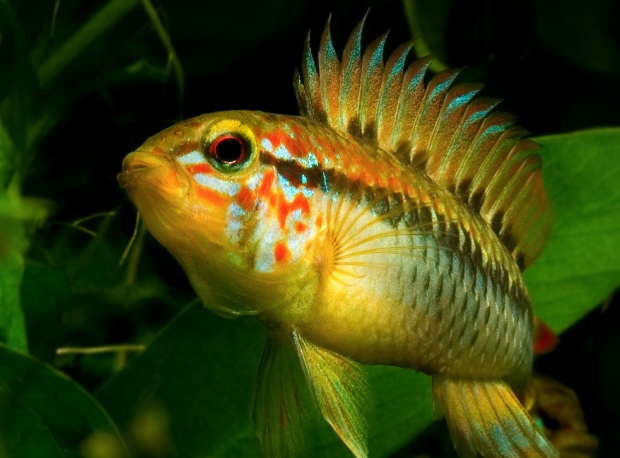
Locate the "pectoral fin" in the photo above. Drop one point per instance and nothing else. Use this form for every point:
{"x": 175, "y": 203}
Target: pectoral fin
{"x": 340, "y": 391}
{"x": 278, "y": 410}
{"x": 282, "y": 409}
{"x": 485, "y": 418}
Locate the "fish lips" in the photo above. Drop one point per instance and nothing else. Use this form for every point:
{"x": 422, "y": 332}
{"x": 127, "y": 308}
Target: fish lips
{"x": 144, "y": 169}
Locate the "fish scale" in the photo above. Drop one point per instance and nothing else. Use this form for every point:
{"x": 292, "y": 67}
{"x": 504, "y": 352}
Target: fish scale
{"x": 388, "y": 224}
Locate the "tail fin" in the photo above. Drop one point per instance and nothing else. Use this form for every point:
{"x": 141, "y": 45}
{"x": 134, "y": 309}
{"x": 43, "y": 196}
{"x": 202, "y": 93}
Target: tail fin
{"x": 485, "y": 418}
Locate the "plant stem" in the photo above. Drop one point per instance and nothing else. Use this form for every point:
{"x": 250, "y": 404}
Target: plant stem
{"x": 172, "y": 55}
{"x": 105, "y": 18}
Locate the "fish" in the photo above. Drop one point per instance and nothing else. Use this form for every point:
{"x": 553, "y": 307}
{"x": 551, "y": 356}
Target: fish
{"x": 389, "y": 223}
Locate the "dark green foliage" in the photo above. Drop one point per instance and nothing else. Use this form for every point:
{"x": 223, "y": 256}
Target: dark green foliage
{"x": 82, "y": 87}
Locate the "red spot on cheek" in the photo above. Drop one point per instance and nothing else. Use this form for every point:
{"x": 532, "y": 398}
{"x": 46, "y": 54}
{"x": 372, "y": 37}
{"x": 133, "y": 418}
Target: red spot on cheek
{"x": 300, "y": 202}
{"x": 283, "y": 210}
{"x": 319, "y": 221}
{"x": 300, "y": 227}
{"x": 245, "y": 199}
{"x": 281, "y": 252}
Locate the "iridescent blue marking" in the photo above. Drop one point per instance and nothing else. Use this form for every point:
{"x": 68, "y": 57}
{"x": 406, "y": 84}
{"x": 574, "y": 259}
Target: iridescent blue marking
{"x": 461, "y": 100}
{"x": 287, "y": 188}
{"x": 478, "y": 115}
{"x": 377, "y": 57}
{"x": 221, "y": 186}
{"x": 416, "y": 79}
{"x": 195, "y": 157}
{"x": 236, "y": 211}
{"x": 324, "y": 183}
{"x": 254, "y": 181}
{"x": 310, "y": 161}
{"x": 441, "y": 87}
{"x": 267, "y": 145}
{"x": 282, "y": 153}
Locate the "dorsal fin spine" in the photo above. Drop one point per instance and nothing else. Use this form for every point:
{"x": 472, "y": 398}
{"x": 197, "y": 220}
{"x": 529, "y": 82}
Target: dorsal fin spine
{"x": 439, "y": 128}
{"x": 329, "y": 76}
{"x": 465, "y": 133}
{"x": 452, "y": 111}
{"x": 311, "y": 79}
{"x": 372, "y": 76}
{"x": 349, "y": 96}
{"x": 427, "y": 115}
{"x": 390, "y": 92}
{"x": 413, "y": 91}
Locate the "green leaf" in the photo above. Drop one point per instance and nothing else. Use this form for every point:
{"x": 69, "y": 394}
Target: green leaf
{"x": 580, "y": 266}
{"x": 16, "y": 108}
{"x": 45, "y": 414}
{"x": 12, "y": 243}
{"x": 428, "y": 22}
{"x": 580, "y": 31}
{"x": 199, "y": 374}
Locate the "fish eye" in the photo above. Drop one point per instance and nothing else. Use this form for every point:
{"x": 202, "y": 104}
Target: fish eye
{"x": 230, "y": 146}
{"x": 228, "y": 150}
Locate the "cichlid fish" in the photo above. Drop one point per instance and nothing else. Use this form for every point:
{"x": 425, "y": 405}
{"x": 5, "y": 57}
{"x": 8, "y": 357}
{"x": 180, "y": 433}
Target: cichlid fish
{"x": 389, "y": 223}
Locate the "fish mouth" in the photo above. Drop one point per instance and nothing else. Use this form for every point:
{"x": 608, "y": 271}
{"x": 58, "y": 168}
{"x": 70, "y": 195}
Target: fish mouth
{"x": 139, "y": 165}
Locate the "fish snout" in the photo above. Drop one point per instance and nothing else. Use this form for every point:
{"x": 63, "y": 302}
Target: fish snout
{"x": 138, "y": 166}
{"x": 141, "y": 160}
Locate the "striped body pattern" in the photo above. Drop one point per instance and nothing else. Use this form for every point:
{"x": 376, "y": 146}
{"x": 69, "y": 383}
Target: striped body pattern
{"x": 388, "y": 224}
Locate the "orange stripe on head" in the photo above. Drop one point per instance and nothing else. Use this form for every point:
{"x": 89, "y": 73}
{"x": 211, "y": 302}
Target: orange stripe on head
{"x": 199, "y": 168}
{"x": 265, "y": 186}
{"x": 212, "y": 197}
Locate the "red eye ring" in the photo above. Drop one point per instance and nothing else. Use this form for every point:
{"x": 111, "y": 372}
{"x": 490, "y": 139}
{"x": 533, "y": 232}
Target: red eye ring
{"x": 228, "y": 150}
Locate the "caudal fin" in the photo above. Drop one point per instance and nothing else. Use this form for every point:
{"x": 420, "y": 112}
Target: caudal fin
{"x": 486, "y": 419}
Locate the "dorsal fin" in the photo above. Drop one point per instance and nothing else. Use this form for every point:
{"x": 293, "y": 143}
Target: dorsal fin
{"x": 437, "y": 127}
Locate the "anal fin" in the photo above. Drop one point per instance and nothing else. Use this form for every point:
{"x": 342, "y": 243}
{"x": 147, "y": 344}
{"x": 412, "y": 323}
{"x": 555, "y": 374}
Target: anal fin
{"x": 486, "y": 419}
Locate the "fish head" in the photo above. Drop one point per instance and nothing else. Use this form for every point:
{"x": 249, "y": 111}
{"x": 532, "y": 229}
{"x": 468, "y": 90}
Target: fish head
{"x": 203, "y": 193}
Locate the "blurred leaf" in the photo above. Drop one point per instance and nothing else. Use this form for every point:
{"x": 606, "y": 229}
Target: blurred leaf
{"x": 428, "y": 21}
{"x": 581, "y": 31}
{"x": 45, "y": 414}
{"x": 200, "y": 371}
{"x": 7, "y": 159}
{"x": 17, "y": 107}
{"x": 12, "y": 243}
{"x": 42, "y": 288}
{"x": 580, "y": 266}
